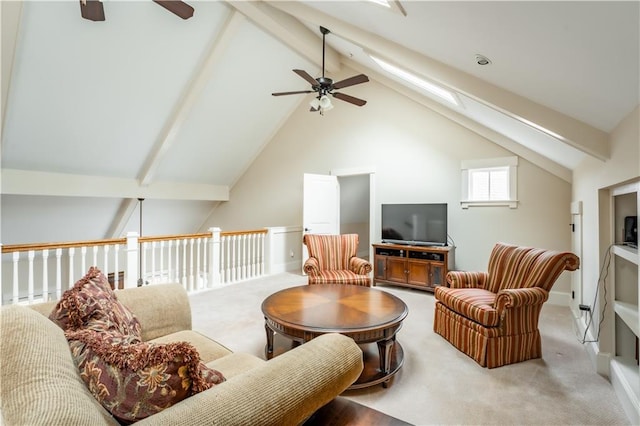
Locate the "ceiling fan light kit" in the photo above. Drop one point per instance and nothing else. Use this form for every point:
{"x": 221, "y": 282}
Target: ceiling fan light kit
{"x": 324, "y": 86}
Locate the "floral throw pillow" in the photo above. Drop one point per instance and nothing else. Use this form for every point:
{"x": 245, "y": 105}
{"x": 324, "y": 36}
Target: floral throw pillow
{"x": 92, "y": 304}
{"x": 134, "y": 380}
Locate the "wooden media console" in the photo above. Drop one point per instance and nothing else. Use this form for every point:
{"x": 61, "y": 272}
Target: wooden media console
{"x": 421, "y": 267}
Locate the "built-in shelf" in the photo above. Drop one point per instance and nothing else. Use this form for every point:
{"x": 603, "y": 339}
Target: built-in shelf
{"x": 625, "y": 326}
{"x": 628, "y": 312}
{"x": 627, "y": 253}
{"x": 626, "y": 380}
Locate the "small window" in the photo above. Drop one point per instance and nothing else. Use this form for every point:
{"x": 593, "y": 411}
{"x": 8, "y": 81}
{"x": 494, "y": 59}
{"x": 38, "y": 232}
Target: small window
{"x": 490, "y": 182}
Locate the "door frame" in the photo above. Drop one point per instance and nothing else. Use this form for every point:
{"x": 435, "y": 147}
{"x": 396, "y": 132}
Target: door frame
{"x": 371, "y": 171}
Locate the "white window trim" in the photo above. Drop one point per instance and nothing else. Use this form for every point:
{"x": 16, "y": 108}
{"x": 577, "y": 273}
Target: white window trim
{"x": 510, "y": 162}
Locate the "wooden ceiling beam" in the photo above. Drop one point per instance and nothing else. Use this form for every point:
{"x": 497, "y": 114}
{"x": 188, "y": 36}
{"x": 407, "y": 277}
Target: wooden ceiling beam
{"x": 26, "y": 182}
{"x": 190, "y": 96}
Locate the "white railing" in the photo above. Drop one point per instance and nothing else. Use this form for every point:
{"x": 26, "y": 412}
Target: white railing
{"x": 34, "y": 273}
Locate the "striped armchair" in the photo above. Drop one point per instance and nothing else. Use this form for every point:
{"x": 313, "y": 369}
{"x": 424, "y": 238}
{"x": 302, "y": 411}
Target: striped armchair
{"x": 332, "y": 260}
{"x": 493, "y": 316}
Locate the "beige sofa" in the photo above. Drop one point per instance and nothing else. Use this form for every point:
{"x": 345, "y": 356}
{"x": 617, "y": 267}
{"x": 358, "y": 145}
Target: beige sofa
{"x": 40, "y": 384}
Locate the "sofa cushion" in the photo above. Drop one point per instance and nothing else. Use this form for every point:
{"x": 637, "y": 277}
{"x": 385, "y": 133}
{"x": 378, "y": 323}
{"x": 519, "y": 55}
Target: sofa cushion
{"x": 133, "y": 379}
{"x": 92, "y": 304}
{"x": 344, "y": 276}
{"x": 235, "y": 364}
{"x": 209, "y": 350}
{"x": 40, "y": 382}
{"x": 473, "y": 303}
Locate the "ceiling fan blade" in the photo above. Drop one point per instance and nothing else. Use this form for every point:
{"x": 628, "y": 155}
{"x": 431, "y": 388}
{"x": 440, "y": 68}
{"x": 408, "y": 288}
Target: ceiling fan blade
{"x": 177, "y": 7}
{"x": 291, "y": 93}
{"x": 92, "y": 10}
{"x": 307, "y": 77}
{"x": 356, "y": 79}
{"x": 350, "y": 99}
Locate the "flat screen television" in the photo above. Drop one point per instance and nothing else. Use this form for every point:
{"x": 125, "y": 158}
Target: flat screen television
{"x": 415, "y": 224}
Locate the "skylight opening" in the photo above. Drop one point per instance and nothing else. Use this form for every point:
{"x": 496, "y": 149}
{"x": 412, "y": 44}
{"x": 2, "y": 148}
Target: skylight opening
{"x": 391, "y": 5}
{"x": 384, "y": 3}
{"x": 540, "y": 128}
{"x": 417, "y": 81}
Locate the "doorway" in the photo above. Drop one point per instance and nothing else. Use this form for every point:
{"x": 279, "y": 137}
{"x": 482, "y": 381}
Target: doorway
{"x": 355, "y": 210}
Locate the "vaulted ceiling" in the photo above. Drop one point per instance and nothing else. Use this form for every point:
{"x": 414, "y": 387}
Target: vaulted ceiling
{"x": 147, "y": 104}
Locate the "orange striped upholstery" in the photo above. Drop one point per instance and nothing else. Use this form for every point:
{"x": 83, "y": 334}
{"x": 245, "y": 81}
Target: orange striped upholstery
{"x": 332, "y": 260}
{"x": 493, "y": 316}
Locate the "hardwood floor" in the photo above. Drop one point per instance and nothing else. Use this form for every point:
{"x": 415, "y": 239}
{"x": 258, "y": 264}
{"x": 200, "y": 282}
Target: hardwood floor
{"x": 342, "y": 412}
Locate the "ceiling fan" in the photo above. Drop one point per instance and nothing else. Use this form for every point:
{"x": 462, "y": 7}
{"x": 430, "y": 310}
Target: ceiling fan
{"x": 93, "y": 10}
{"x": 324, "y": 86}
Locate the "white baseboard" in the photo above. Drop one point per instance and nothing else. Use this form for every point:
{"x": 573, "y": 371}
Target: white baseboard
{"x": 559, "y": 298}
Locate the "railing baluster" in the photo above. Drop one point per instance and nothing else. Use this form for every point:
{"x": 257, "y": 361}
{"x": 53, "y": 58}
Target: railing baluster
{"x": 198, "y": 280}
{"x": 243, "y": 256}
{"x": 261, "y": 259}
{"x": 31, "y": 255}
{"x": 162, "y": 278}
{"x": 71, "y": 253}
{"x": 95, "y": 256}
{"x": 58, "y": 273}
{"x": 105, "y": 267}
{"x": 83, "y": 259}
{"x": 45, "y": 275}
{"x": 153, "y": 262}
{"x": 234, "y": 260}
{"x": 223, "y": 259}
{"x": 191, "y": 281}
{"x": 184, "y": 262}
{"x": 16, "y": 288}
{"x": 177, "y": 261}
{"x": 169, "y": 264}
{"x": 116, "y": 268}
{"x": 143, "y": 272}
{"x": 205, "y": 262}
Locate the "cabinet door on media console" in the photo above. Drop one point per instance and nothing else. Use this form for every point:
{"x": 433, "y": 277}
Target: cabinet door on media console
{"x": 396, "y": 270}
{"x": 418, "y": 273}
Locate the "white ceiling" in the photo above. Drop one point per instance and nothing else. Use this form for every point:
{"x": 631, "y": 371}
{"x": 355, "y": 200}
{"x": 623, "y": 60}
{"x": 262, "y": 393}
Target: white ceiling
{"x": 148, "y": 103}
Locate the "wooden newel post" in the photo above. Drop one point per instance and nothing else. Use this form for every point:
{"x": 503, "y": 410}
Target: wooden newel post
{"x": 131, "y": 275}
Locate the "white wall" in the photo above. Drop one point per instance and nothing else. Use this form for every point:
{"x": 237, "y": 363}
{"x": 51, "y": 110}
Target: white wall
{"x": 591, "y": 177}
{"x": 416, "y": 154}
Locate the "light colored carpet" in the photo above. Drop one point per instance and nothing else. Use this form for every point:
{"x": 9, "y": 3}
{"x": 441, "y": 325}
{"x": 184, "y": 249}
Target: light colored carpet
{"x": 438, "y": 384}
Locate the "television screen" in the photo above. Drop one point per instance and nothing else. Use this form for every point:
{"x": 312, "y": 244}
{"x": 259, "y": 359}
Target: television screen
{"x": 415, "y": 224}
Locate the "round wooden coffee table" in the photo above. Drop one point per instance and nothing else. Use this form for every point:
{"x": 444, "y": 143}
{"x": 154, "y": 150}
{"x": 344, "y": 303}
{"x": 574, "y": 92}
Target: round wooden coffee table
{"x": 368, "y": 316}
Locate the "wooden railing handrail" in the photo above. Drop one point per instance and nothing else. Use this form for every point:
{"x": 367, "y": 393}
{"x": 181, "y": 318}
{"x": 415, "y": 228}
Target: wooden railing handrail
{"x": 11, "y": 248}
{"x": 254, "y": 231}
{"x": 173, "y": 237}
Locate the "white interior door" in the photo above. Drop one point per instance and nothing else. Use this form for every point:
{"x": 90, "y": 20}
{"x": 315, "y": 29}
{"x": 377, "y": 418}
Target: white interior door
{"x": 320, "y": 207}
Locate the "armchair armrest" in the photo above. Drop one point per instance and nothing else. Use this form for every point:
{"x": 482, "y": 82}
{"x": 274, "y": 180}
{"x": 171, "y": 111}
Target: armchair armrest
{"x": 463, "y": 279}
{"x": 283, "y": 391}
{"x": 519, "y": 309}
{"x": 312, "y": 266}
{"x": 359, "y": 266}
{"x": 517, "y": 297}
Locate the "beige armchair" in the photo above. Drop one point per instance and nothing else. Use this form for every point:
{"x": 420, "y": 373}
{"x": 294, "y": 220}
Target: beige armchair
{"x": 332, "y": 260}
